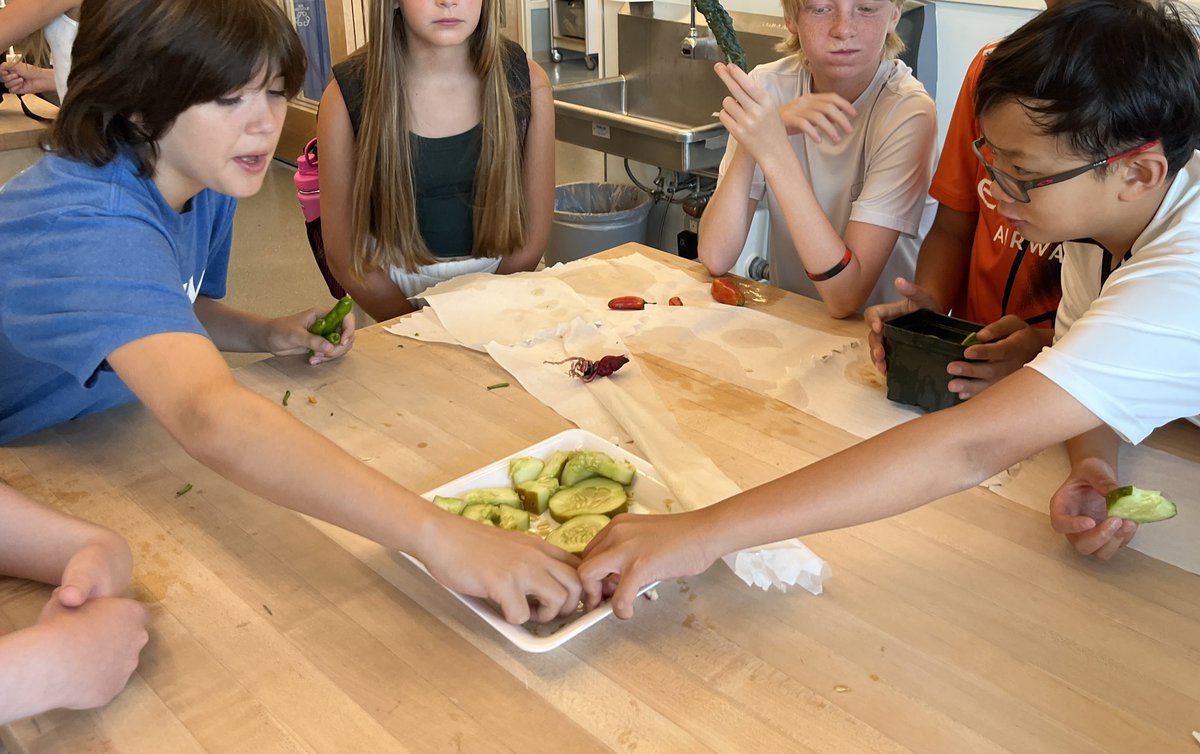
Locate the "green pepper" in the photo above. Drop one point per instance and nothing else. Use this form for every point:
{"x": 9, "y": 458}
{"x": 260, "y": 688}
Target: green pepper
{"x": 331, "y": 321}
{"x": 334, "y": 338}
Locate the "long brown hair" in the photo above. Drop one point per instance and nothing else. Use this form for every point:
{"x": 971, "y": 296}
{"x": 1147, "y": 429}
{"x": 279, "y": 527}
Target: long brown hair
{"x": 383, "y": 223}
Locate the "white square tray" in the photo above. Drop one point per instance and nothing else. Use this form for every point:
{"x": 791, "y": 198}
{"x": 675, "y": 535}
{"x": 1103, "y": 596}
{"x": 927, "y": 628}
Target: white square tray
{"x": 649, "y": 494}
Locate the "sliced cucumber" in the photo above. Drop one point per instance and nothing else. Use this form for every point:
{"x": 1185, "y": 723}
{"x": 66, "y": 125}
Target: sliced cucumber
{"x": 591, "y": 496}
{"x": 450, "y": 504}
{"x": 554, "y": 464}
{"x": 590, "y": 463}
{"x": 484, "y": 513}
{"x": 513, "y": 518}
{"x": 494, "y": 495}
{"x": 574, "y": 535}
{"x": 524, "y": 469}
{"x": 535, "y": 494}
{"x": 1138, "y": 505}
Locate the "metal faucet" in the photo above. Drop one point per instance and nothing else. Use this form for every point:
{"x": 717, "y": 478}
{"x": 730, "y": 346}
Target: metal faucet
{"x": 697, "y": 45}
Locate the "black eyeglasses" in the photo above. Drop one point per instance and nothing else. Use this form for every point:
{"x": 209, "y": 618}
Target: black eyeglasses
{"x": 1019, "y": 190}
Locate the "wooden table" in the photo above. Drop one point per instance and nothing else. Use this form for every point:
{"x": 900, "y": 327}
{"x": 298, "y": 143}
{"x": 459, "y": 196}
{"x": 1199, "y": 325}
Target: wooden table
{"x": 17, "y": 130}
{"x": 964, "y": 627}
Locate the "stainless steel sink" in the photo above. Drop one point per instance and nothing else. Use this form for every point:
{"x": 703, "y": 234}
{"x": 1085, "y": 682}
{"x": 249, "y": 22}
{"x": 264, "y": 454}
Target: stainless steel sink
{"x": 596, "y": 114}
{"x": 660, "y": 109}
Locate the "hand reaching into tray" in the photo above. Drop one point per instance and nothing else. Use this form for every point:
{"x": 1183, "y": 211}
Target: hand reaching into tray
{"x": 639, "y": 550}
{"x": 522, "y": 574}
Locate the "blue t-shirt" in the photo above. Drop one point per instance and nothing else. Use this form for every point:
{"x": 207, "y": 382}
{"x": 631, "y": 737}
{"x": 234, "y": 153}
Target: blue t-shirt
{"x": 91, "y": 259}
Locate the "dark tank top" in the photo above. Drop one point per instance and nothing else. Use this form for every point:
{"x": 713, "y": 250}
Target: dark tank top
{"x": 444, "y": 168}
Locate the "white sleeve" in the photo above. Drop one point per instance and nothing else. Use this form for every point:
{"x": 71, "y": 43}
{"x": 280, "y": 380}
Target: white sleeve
{"x": 1080, "y": 279}
{"x": 899, "y": 166}
{"x": 1132, "y": 357}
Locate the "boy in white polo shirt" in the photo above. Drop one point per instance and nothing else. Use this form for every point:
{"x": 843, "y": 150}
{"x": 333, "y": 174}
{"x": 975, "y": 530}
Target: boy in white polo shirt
{"x": 1090, "y": 124}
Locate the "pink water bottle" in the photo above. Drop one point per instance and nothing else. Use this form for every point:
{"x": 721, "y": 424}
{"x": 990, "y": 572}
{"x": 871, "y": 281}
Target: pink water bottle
{"x": 308, "y": 185}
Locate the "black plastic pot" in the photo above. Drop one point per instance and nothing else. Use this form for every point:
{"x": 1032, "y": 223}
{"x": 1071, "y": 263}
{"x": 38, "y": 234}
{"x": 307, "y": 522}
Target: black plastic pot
{"x": 919, "y": 346}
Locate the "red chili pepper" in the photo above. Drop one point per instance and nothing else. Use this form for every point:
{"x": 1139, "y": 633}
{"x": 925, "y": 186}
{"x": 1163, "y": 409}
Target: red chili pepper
{"x": 675, "y": 301}
{"x": 589, "y": 370}
{"x": 628, "y": 303}
{"x": 725, "y": 291}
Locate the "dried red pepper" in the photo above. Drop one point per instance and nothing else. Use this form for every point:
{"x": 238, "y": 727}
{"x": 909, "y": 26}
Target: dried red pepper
{"x": 587, "y": 370}
{"x": 628, "y": 303}
{"x": 675, "y": 301}
{"x": 725, "y": 291}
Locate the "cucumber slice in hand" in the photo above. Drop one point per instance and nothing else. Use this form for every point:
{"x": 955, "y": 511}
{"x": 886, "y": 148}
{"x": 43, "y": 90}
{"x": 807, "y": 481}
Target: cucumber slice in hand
{"x": 1138, "y": 505}
{"x": 574, "y": 535}
{"x": 591, "y": 496}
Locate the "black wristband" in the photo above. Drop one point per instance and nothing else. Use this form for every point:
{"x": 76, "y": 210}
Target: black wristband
{"x": 834, "y": 270}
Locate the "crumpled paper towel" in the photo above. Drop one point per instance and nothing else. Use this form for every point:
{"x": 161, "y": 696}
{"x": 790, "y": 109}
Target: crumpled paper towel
{"x": 629, "y": 402}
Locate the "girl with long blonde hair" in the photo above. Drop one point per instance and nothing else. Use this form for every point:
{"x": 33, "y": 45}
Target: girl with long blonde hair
{"x": 437, "y": 153}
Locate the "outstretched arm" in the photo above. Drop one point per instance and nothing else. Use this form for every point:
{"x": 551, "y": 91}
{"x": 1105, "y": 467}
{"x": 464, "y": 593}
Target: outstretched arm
{"x": 257, "y": 444}
{"x": 880, "y": 477}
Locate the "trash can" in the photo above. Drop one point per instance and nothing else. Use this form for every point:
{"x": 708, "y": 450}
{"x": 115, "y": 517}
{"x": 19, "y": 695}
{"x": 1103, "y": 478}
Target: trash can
{"x": 592, "y": 217}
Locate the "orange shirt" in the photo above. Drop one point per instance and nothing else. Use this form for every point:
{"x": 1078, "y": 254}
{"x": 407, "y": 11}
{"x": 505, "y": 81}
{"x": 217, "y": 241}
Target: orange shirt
{"x": 1007, "y": 274}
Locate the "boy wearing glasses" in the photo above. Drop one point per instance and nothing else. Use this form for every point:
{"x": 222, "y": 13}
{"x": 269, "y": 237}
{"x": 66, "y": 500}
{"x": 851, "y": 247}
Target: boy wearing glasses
{"x": 1089, "y": 116}
{"x": 974, "y": 264}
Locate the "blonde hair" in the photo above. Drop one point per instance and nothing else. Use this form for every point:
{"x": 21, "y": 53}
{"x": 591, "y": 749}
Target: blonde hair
{"x": 383, "y": 226}
{"x": 893, "y": 45}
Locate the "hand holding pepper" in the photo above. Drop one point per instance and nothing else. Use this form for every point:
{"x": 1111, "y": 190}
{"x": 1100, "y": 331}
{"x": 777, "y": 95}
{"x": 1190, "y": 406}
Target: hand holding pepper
{"x": 293, "y": 334}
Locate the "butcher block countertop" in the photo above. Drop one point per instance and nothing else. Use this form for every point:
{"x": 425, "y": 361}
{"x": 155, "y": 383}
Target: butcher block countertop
{"x": 964, "y": 626}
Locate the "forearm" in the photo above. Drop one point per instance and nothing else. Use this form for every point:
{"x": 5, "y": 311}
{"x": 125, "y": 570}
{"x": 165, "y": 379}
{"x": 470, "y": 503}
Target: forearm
{"x": 30, "y": 681}
{"x": 230, "y": 329}
{"x": 907, "y": 466}
{"x": 946, "y": 255}
{"x": 258, "y": 445}
{"x": 818, "y": 245}
{"x": 1101, "y": 443}
{"x": 726, "y": 222}
{"x": 37, "y": 542}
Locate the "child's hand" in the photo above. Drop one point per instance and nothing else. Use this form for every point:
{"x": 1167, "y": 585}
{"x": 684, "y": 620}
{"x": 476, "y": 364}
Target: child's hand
{"x": 814, "y": 114}
{"x": 1079, "y": 511}
{"x": 289, "y": 336}
{"x": 640, "y": 550}
{"x": 525, "y": 576}
{"x": 100, "y": 569}
{"x": 915, "y": 298}
{"x": 91, "y": 651}
{"x": 23, "y": 78}
{"x": 750, "y": 115}
{"x": 1004, "y": 347}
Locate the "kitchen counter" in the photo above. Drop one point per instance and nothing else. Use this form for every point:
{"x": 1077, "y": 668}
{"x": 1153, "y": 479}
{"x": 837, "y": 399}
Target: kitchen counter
{"x": 964, "y": 626}
{"x": 18, "y": 130}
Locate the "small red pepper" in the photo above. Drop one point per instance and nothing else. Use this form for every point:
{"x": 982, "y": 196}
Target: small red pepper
{"x": 675, "y": 301}
{"x": 631, "y": 303}
{"x": 589, "y": 370}
{"x": 725, "y": 291}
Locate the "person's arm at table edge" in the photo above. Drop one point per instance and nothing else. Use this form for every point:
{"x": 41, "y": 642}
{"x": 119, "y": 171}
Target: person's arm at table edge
{"x": 37, "y": 543}
{"x": 726, "y": 220}
{"x": 537, "y": 176}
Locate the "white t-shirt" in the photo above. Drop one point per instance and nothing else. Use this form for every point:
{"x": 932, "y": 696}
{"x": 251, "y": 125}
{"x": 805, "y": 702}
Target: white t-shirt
{"x": 1129, "y": 349}
{"x": 60, "y": 36}
{"x": 879, "y": 174}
